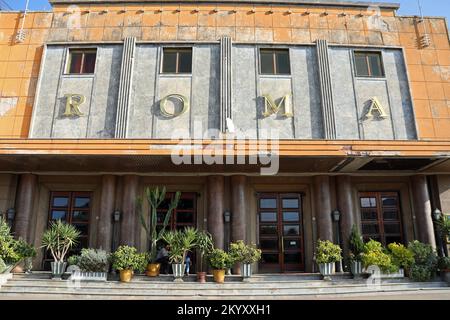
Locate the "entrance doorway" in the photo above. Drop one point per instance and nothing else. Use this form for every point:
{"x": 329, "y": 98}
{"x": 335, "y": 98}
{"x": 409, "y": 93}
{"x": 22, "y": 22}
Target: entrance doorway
{"x": 281, "y": 232}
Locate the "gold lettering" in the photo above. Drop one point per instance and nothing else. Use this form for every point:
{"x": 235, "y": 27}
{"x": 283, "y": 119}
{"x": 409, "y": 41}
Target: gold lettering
{"x": 270, "y": 107}
{"x": 73, "y": 102}
{"x": 375, "y": 106}
{"x": 184, "y": 101}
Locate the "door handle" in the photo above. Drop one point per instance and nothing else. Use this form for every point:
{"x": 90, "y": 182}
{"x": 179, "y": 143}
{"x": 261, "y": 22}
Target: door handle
{"x": 282, "y": 244}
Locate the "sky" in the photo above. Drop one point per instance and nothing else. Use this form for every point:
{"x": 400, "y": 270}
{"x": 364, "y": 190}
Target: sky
{"x": 408, "y": 7}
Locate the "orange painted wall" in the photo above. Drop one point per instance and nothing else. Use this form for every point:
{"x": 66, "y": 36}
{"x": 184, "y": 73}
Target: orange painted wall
{"x": 429, "y": 68}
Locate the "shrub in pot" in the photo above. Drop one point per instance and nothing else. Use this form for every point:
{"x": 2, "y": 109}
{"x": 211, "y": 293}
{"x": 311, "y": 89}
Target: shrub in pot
{"x": 27, "y": 252}
{"x": 59, "y": 239}
{"x": 401, "y": 256}
{"x": 356, "y": 248}
{"x": 155, "y": 197}
{"x": 126, "y": 260}
{"x": 375, "y": 255}
{"x": 246, "y": 255}
{"x": 8, "y": 254}
{"x": 444, "y": 268}
{"x": 219, "y": 261}
{"x": 327, "y": 254}
{"x": 425, "y": 261}
{"x": 180, "y": 242}
{"x": 204, "y": 244}
{"x": 92, "y": 264}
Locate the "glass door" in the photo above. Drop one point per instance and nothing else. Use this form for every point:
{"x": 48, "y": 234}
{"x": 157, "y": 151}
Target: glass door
{"x": 281, "y": 232}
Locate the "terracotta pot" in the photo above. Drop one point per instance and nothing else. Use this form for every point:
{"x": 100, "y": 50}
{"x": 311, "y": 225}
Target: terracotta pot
{"x": 201, "y": 277}
{"x": 153, "y": 269}
{"x": 18, "y": 268}
{"x": 126, "y": 275}
{"x": 219, "y": 276}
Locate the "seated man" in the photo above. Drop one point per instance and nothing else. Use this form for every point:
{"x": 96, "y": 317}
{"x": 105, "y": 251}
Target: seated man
{"x": 163, "y": 259}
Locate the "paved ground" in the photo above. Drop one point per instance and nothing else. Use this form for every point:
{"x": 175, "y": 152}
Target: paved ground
{"x": 410, "y": 295}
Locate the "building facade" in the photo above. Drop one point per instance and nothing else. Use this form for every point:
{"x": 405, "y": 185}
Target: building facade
{"x": 268, "y": 116}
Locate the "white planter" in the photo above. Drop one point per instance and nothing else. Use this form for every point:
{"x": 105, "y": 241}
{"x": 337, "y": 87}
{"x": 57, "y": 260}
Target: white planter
{"x": 4, "y": 277}
{"x": 178, "y": 270}
{"x": 246, "y": 270}
{"x": 326, "y": 269}
{"x": 89, "y": 276}
{"x": 356, "y": 268}
{"x": 58, "y": 268}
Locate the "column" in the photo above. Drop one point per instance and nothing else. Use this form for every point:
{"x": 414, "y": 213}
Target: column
{"x": 104, "y": 227}
{"x": 24, "y": 205}
{"x": 129, "y": 228}
{"x": 215, "y": 186}
{"x": 422, "y": 209}
{"x": 238, "y": 211}
{"x": 346, "y": 208}
{"x": 323, "y": 207}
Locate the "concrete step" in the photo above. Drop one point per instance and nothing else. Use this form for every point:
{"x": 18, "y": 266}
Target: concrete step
{"x": 171, "y": 294}
{"x": 113, "y": 288}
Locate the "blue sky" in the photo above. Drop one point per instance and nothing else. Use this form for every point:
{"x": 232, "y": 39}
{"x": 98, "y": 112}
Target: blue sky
{"x": 408, "y": 7}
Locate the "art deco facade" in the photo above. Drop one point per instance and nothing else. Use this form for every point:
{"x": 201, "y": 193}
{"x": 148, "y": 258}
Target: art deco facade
{"x": 92, "y": 93}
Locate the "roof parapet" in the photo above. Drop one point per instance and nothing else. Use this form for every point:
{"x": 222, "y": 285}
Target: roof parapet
{"x": 333, "y": 3}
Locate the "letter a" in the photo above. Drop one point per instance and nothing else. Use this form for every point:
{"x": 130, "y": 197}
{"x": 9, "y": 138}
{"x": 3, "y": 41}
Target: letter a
{"x": 376, "y": 106}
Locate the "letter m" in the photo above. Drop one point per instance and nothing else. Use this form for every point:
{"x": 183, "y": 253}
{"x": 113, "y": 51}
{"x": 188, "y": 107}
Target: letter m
{"x": 270, "y": 107}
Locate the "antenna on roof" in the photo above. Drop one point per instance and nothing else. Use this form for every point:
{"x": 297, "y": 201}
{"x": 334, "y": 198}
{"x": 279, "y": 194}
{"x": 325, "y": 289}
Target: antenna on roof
{"x": 425, "y": 39}
{"x": 21, "y": 34}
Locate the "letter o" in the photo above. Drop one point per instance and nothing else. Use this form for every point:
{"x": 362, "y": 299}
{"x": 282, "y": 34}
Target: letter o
{"x": 184, "y": 101}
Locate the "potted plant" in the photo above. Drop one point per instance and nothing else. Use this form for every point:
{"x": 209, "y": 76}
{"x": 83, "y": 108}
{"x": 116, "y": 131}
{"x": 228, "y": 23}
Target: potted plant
{"x": 327, "y": 254}
{"x": 126, "y": 260}
{"x": 425, "y": 261}
{"x": 91, "y": 265}
{"x": 444, "y": 268}
{"x": 180, "y": 243}
{"x": 246, "y": 255}
{"x": 375, "y": 258}
{"x": 204, "y": 245}
{"x": 27, "y": 252}
{"x": 401, "y": 256}
{"x": 9, "y": 257}
{"x": 154, "y": 198}
{"x": 59, "y": 239}
{"x": 219, "y": 261}
{"x": 356, "y": 248}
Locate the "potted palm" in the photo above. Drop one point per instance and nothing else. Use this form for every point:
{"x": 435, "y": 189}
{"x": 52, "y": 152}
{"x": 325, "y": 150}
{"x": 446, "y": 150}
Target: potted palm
{"x": 246, "y": 255}
{"x": 155, "y": 197}
{"x": 204, "y": 245}
{"x": 126, "y": 260}
{"x": 327, "y": 254}
{"x": 180, "y": 243}
{"x": 444, "y": 268}
{"x": 59, "y": 239}
{"x": 356, "y": 248}
{"x": 219, "y": 261}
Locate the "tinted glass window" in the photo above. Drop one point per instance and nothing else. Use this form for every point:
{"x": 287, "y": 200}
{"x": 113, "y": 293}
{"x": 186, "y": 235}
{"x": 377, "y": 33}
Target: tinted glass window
{"x": 75, "y": 62}
{"x": 368, "y": 64}
{"x": 82, "y": 61}
{"x": 177, "y": 60}
{"x": 169, "y": 62}
{"x": 267, "y": 66}
{"x": 89, "y": 62}
{"x": 283, "y": 66}
{"x": 185, "y": 62}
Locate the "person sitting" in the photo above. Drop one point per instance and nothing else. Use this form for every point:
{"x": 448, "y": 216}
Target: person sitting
{"x": 163, "y": 258}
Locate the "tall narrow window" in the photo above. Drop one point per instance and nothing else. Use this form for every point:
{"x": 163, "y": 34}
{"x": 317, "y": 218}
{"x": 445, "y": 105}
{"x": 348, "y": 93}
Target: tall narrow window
{"x": 369, "y": 64}
{"x": 177, "y": 60}
{"x": 81, "y": 61}
{"x": 73, "y": 208}
{"x": 380, "y": 217}
{"x": 274, "y": 61}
